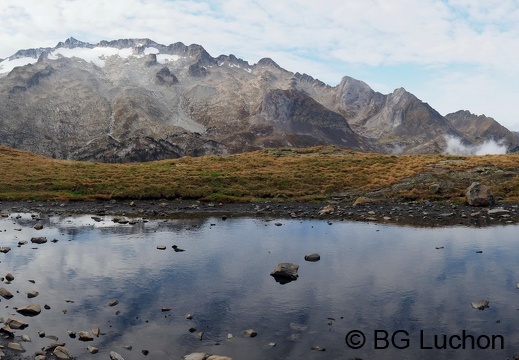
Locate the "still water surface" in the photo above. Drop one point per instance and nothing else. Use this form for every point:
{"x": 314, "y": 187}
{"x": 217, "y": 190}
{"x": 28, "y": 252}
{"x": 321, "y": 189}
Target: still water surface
{"x": 372, "y": 278}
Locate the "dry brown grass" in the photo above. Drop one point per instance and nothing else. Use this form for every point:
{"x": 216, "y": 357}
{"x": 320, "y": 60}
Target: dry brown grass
{"x": 306, "y": 174}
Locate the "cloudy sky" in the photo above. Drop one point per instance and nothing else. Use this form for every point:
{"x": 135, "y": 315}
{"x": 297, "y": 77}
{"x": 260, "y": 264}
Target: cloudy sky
{"x": 452, "y": 54}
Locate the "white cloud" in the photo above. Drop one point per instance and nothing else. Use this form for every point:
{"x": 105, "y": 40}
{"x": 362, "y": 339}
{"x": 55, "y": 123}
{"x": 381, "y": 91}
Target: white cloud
{"x": 324, "y": 39}
{"x": 456, "y": 147}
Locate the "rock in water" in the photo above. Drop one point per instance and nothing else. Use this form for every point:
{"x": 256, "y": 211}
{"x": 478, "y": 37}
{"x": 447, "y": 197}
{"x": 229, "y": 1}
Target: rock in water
{"x": 479, "y": 195}
{"x": 480, "y": 305}
{"x": 32, "y": 294}
{"x": 39, "y": 240}
{"x": 312, "y": 257}
{"x": 250, "y": 333}
{"x": 85, "y": 336}
{"x": 29, "y": 310}
{"x": 6, "y": 294}
{"x": 16, "y": 324}
{"x": 15, "y": 346}
{"x": 62, "y": 352}
{"x": 115, "y": 356}
{"x": 285, "y": 272}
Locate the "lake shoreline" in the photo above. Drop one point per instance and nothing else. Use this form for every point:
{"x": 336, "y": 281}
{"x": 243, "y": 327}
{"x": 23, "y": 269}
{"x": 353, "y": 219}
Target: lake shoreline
{"x": 420, "y": 214}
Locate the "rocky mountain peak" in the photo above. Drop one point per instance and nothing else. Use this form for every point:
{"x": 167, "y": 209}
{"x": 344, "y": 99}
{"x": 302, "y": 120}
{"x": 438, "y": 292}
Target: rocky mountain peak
{"x": 268, "y": 62}
{"x": 72, "y": 43}
{"x": 135, "y": 99}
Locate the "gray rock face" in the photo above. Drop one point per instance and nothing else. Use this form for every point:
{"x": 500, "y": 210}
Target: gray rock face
{"x": 479, "y": 195}
{"x": 141, "y": 107}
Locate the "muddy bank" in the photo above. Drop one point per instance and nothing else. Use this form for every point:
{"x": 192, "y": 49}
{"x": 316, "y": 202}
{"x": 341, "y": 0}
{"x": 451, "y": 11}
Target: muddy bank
{"x": 423, "y": 214}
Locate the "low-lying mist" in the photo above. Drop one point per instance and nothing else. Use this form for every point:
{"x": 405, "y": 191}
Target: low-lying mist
{"x": 455, "y": 147}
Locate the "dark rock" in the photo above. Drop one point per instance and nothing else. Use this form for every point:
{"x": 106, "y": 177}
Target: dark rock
{"x": 39, "y": 240}
{"x": 5, "y": 249}
{"x": 285, "y": 272}
{"x": 313, "y": 257}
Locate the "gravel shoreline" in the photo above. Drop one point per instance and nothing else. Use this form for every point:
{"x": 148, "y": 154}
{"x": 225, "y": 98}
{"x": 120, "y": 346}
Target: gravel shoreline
{"x": 422, "y": 214}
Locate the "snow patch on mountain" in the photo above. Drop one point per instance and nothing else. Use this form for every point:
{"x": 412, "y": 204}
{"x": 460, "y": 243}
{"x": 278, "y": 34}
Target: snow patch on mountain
{"x": 7, "y": 65}
{"x": 96, "y": 55}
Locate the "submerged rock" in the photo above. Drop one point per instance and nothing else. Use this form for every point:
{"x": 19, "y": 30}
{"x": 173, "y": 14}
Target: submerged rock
{"x": 317, "y": 348}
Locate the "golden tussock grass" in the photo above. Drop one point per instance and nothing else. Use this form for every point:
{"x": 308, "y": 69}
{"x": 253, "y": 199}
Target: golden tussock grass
{"x": 306, "y": 174}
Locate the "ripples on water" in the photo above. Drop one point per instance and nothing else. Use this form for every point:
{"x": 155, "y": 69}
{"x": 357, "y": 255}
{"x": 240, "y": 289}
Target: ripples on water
{"x": 370, "y": 277}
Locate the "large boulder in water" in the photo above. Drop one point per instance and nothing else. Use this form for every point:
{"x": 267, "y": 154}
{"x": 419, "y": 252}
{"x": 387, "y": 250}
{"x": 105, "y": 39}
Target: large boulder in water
{"x": 479, "y": 195}
{"x": 285, "y": 272}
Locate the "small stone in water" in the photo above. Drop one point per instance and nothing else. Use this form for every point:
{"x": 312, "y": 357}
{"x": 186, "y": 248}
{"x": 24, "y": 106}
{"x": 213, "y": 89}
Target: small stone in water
{"x": 317, "y": 348}
{"x": 480, "y": 305}
{"x": 113, "y": 303}
{"x": 15, "y": 346}
{"x": 92, "y": 349}
{"x": 250, "y": 333}
{"x": 115, "y": 356}
{"x": 190, "y": 316}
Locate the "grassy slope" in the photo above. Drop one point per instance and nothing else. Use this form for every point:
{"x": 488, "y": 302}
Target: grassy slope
{"x": 309, "y": 174}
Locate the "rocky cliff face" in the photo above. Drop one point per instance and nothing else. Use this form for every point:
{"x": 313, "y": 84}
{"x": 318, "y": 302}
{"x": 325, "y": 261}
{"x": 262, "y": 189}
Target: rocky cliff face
{"x": 136, "y": 100}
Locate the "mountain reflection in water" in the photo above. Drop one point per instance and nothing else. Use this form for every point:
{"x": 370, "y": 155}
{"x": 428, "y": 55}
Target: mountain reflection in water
{"x": 378, "y": 279}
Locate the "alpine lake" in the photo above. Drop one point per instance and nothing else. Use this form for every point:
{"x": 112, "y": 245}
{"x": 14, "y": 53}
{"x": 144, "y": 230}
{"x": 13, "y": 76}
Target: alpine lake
{"x": 378, "y": 291}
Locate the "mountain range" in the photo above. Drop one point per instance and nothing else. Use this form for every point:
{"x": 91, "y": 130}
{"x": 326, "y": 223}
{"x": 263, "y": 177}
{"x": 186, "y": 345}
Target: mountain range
{"x": 137, "y": 100}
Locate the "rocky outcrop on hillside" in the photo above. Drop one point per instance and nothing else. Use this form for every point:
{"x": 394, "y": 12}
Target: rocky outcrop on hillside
{"x": 137, "y": 100}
